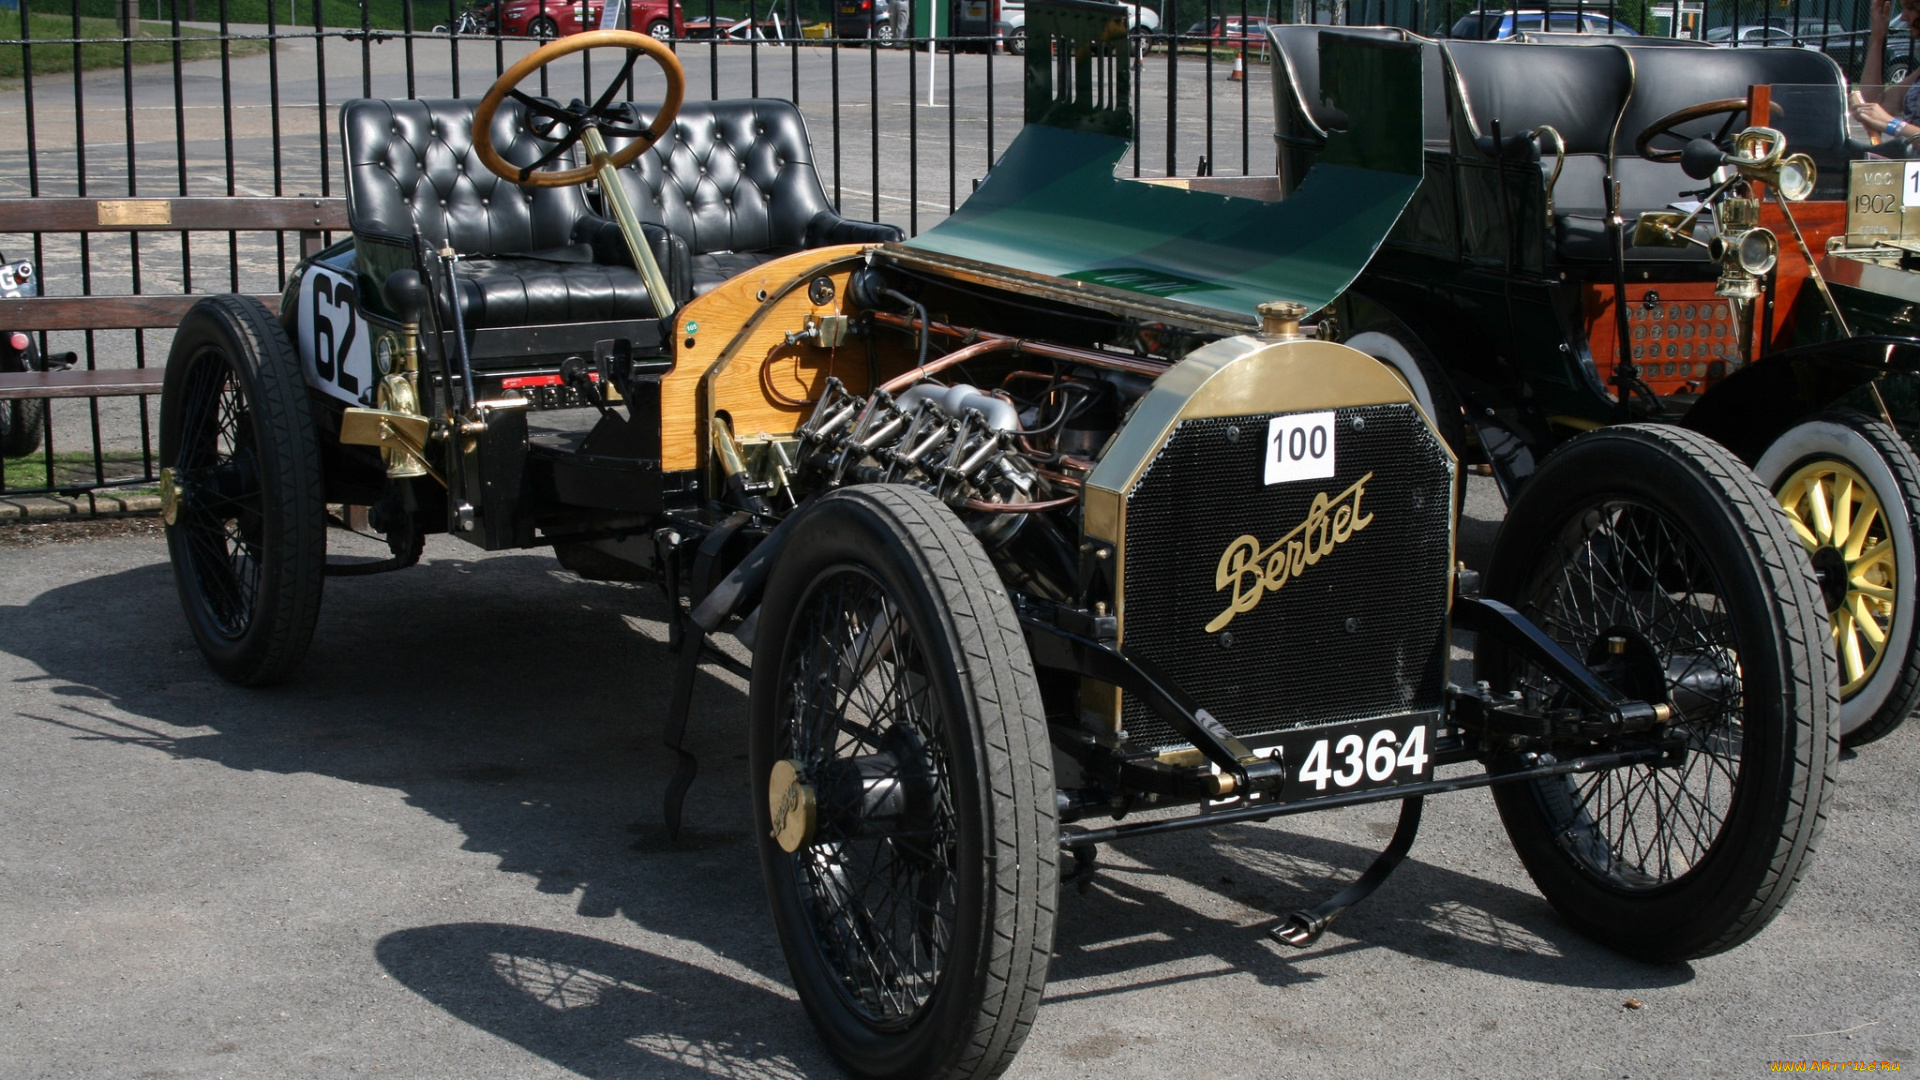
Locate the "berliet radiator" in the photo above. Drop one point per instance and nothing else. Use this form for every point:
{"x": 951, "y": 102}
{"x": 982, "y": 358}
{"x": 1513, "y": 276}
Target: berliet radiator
{"x": 1281, "y": 516}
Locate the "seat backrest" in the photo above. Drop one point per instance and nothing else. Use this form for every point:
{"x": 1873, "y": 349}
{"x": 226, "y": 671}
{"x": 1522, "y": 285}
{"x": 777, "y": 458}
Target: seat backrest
{"x": 1809, "y": 88}
{"x": 730, "y": 176}
{"x": 1577, "y": 90}
{"x": 1299, "y": 107}
{"x": 411, "y": 165}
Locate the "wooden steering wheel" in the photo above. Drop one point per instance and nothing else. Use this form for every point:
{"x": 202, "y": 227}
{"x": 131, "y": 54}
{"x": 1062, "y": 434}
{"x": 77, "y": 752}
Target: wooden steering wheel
{"x": 1732, "y": 107}
{"x": 567, "y": 125}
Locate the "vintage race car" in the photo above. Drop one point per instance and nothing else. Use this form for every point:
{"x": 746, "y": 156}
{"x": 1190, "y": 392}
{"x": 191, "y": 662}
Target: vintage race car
{"x": 1527, "y": 305}
{"x": 1055, "y": 513}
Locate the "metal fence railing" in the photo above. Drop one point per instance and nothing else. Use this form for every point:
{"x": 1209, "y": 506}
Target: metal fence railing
{"x": 99, "y": 100}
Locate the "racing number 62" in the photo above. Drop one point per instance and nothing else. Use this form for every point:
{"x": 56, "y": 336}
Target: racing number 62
{"x": 330, "y": 356}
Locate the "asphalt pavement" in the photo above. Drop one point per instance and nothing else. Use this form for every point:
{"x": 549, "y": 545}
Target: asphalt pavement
{"x": 437, "y": 853}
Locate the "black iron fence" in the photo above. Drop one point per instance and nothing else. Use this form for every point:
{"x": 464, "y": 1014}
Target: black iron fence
{"x": 99, "y": 100}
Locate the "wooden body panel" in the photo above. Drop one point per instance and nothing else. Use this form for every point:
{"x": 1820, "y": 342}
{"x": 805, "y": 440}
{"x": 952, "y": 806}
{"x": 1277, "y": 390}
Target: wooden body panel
{"x": 1691, "y": 306}
{"x": 736, "y": 360}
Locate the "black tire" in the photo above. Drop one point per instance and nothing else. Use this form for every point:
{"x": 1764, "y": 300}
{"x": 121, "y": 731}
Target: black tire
{"x": 883, "y": 31}
{"x": 1388, "y": 340}
{"x": 1017, "y": 41}
{"x": 246, "y": 519}
{"x": 439, "y": 28}
{"x": 1879, "y": 681}
{"x": 543, "y": 28}
{"x": 660, "y": 30}
{"x": 1898, "y": 70}
{"x": 22, "y": 421}
{"x": 974, "y": 837}
{"x": 1660, "y": 536}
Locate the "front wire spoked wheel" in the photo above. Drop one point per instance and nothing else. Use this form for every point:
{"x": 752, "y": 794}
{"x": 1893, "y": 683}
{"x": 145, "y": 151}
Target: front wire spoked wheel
{"x": 1653, "y": 555}
{"x": 241, "y": 490}
{"x": 905, "y": 789}
{"x": 880, "y": 877}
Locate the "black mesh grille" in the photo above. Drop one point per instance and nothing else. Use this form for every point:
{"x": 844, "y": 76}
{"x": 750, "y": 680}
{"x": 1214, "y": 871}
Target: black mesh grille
{"x": 1295, "y": 659}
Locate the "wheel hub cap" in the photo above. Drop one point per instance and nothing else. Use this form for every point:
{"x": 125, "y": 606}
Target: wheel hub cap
{"x": 792, "y": 805}
{"x": 169, "y": 496}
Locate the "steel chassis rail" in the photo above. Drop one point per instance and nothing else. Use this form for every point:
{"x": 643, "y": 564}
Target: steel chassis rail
{"x": 1263, "y": 811}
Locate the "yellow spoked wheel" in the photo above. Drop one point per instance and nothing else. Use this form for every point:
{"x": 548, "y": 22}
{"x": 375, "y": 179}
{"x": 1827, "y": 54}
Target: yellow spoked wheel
{"x": 1839, "y": 518}
{"x": 1849, "y": 484}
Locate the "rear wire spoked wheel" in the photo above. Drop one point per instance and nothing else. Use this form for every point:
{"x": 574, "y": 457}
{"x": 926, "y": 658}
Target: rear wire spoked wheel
{"x": 246, "y": 521}
{"x": 1659, "y": 537}
{"x": 912, "y": 861}
{"x": 1850, "y": 484}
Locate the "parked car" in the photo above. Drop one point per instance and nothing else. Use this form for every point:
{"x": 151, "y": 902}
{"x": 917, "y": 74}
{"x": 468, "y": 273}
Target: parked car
{"x": 865, "y": 19}
{"x": 1499, "y": 25}
{"x": 1012, "y": 26}
{"x": 1231, "y": 30}
{"x": 1527, "y": 321}
{"x": 1048, "y": 529}
{"x": 1846, "y": 46}
{"x": 662, "y": 20}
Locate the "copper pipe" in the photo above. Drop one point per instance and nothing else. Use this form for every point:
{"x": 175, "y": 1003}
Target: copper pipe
{"x": 979, "y": 338}
{"x": 1060, "y": 503}
{"x": 957, "y": 356}
{"x": 1061, "y": 478}
{"x": 1040, "y": 376}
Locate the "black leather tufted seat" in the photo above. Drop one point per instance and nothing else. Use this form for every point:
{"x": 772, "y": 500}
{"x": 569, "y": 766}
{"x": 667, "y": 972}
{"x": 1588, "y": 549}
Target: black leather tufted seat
{"x": 530, "y": 252}
{"x": 1601, "y": 94}
{"x": 734, "y": 183}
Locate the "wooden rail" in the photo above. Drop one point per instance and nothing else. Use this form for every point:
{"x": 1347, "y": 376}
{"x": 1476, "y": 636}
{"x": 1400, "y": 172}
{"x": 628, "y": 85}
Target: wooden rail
{"x": 311, "y": 217}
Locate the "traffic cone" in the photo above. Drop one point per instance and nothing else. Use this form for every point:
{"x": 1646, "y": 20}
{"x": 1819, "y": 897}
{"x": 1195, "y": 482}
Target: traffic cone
{"x": 1239, "y": 68}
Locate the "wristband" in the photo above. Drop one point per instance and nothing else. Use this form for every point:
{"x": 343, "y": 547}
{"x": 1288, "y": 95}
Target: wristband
{"x": 1894, "y": 127}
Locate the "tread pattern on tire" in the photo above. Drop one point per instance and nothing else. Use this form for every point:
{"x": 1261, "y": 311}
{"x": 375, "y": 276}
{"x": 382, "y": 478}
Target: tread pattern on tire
{"x": 1808, "y": 681}
{"x": 1021, "y": 917}
{"x": 285, "y": 424}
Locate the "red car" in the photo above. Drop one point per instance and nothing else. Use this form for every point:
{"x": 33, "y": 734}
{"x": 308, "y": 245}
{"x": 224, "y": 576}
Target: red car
{"x": 663, "y": 19}
{"x": 1232, "y": 30}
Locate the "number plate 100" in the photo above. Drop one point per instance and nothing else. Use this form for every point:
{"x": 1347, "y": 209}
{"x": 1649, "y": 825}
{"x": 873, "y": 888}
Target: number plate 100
{"x": 1354, "y": 757}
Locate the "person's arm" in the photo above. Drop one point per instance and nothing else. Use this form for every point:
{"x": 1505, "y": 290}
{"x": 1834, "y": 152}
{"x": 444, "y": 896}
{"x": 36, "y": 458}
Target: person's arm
{"x": 1873, "y": 72}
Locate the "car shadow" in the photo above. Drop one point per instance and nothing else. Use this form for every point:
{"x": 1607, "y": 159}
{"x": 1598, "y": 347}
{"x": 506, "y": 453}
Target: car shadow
{"x": 522, "y": 705}
{"x": 1122, "y": 922}
{"x": 603, "y": 1009}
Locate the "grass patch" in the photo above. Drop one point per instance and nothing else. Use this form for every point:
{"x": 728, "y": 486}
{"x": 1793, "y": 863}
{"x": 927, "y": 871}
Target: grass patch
{"x": 52, "y": 59}
{"x": 75, "y": 469}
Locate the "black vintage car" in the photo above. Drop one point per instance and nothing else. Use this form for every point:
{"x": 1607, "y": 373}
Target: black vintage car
{"x": 1050, "y": 528}
{"x": 1526, "y": 305}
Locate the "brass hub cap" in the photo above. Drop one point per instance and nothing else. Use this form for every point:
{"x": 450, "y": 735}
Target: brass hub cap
{"x": 169, "y": 497}
{"x": 1837, "y": 515}
{"x": 791, "y": 804}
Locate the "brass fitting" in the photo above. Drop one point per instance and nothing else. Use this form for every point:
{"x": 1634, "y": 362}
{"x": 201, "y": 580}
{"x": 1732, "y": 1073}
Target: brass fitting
{"x": 1280, "y": 319}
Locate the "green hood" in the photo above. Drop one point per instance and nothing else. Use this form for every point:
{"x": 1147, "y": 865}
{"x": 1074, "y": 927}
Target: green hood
{"x": 1053, "y": 207}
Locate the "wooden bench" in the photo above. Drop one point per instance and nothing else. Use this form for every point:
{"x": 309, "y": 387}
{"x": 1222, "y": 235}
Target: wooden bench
{"x": 309, "y": 216}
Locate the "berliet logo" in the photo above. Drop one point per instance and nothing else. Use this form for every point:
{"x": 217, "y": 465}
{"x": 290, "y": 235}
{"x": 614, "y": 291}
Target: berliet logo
{"x": 1253, "y": 571}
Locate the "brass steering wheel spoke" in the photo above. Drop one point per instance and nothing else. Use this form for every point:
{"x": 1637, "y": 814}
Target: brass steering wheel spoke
{"x": 586, "y": 125}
